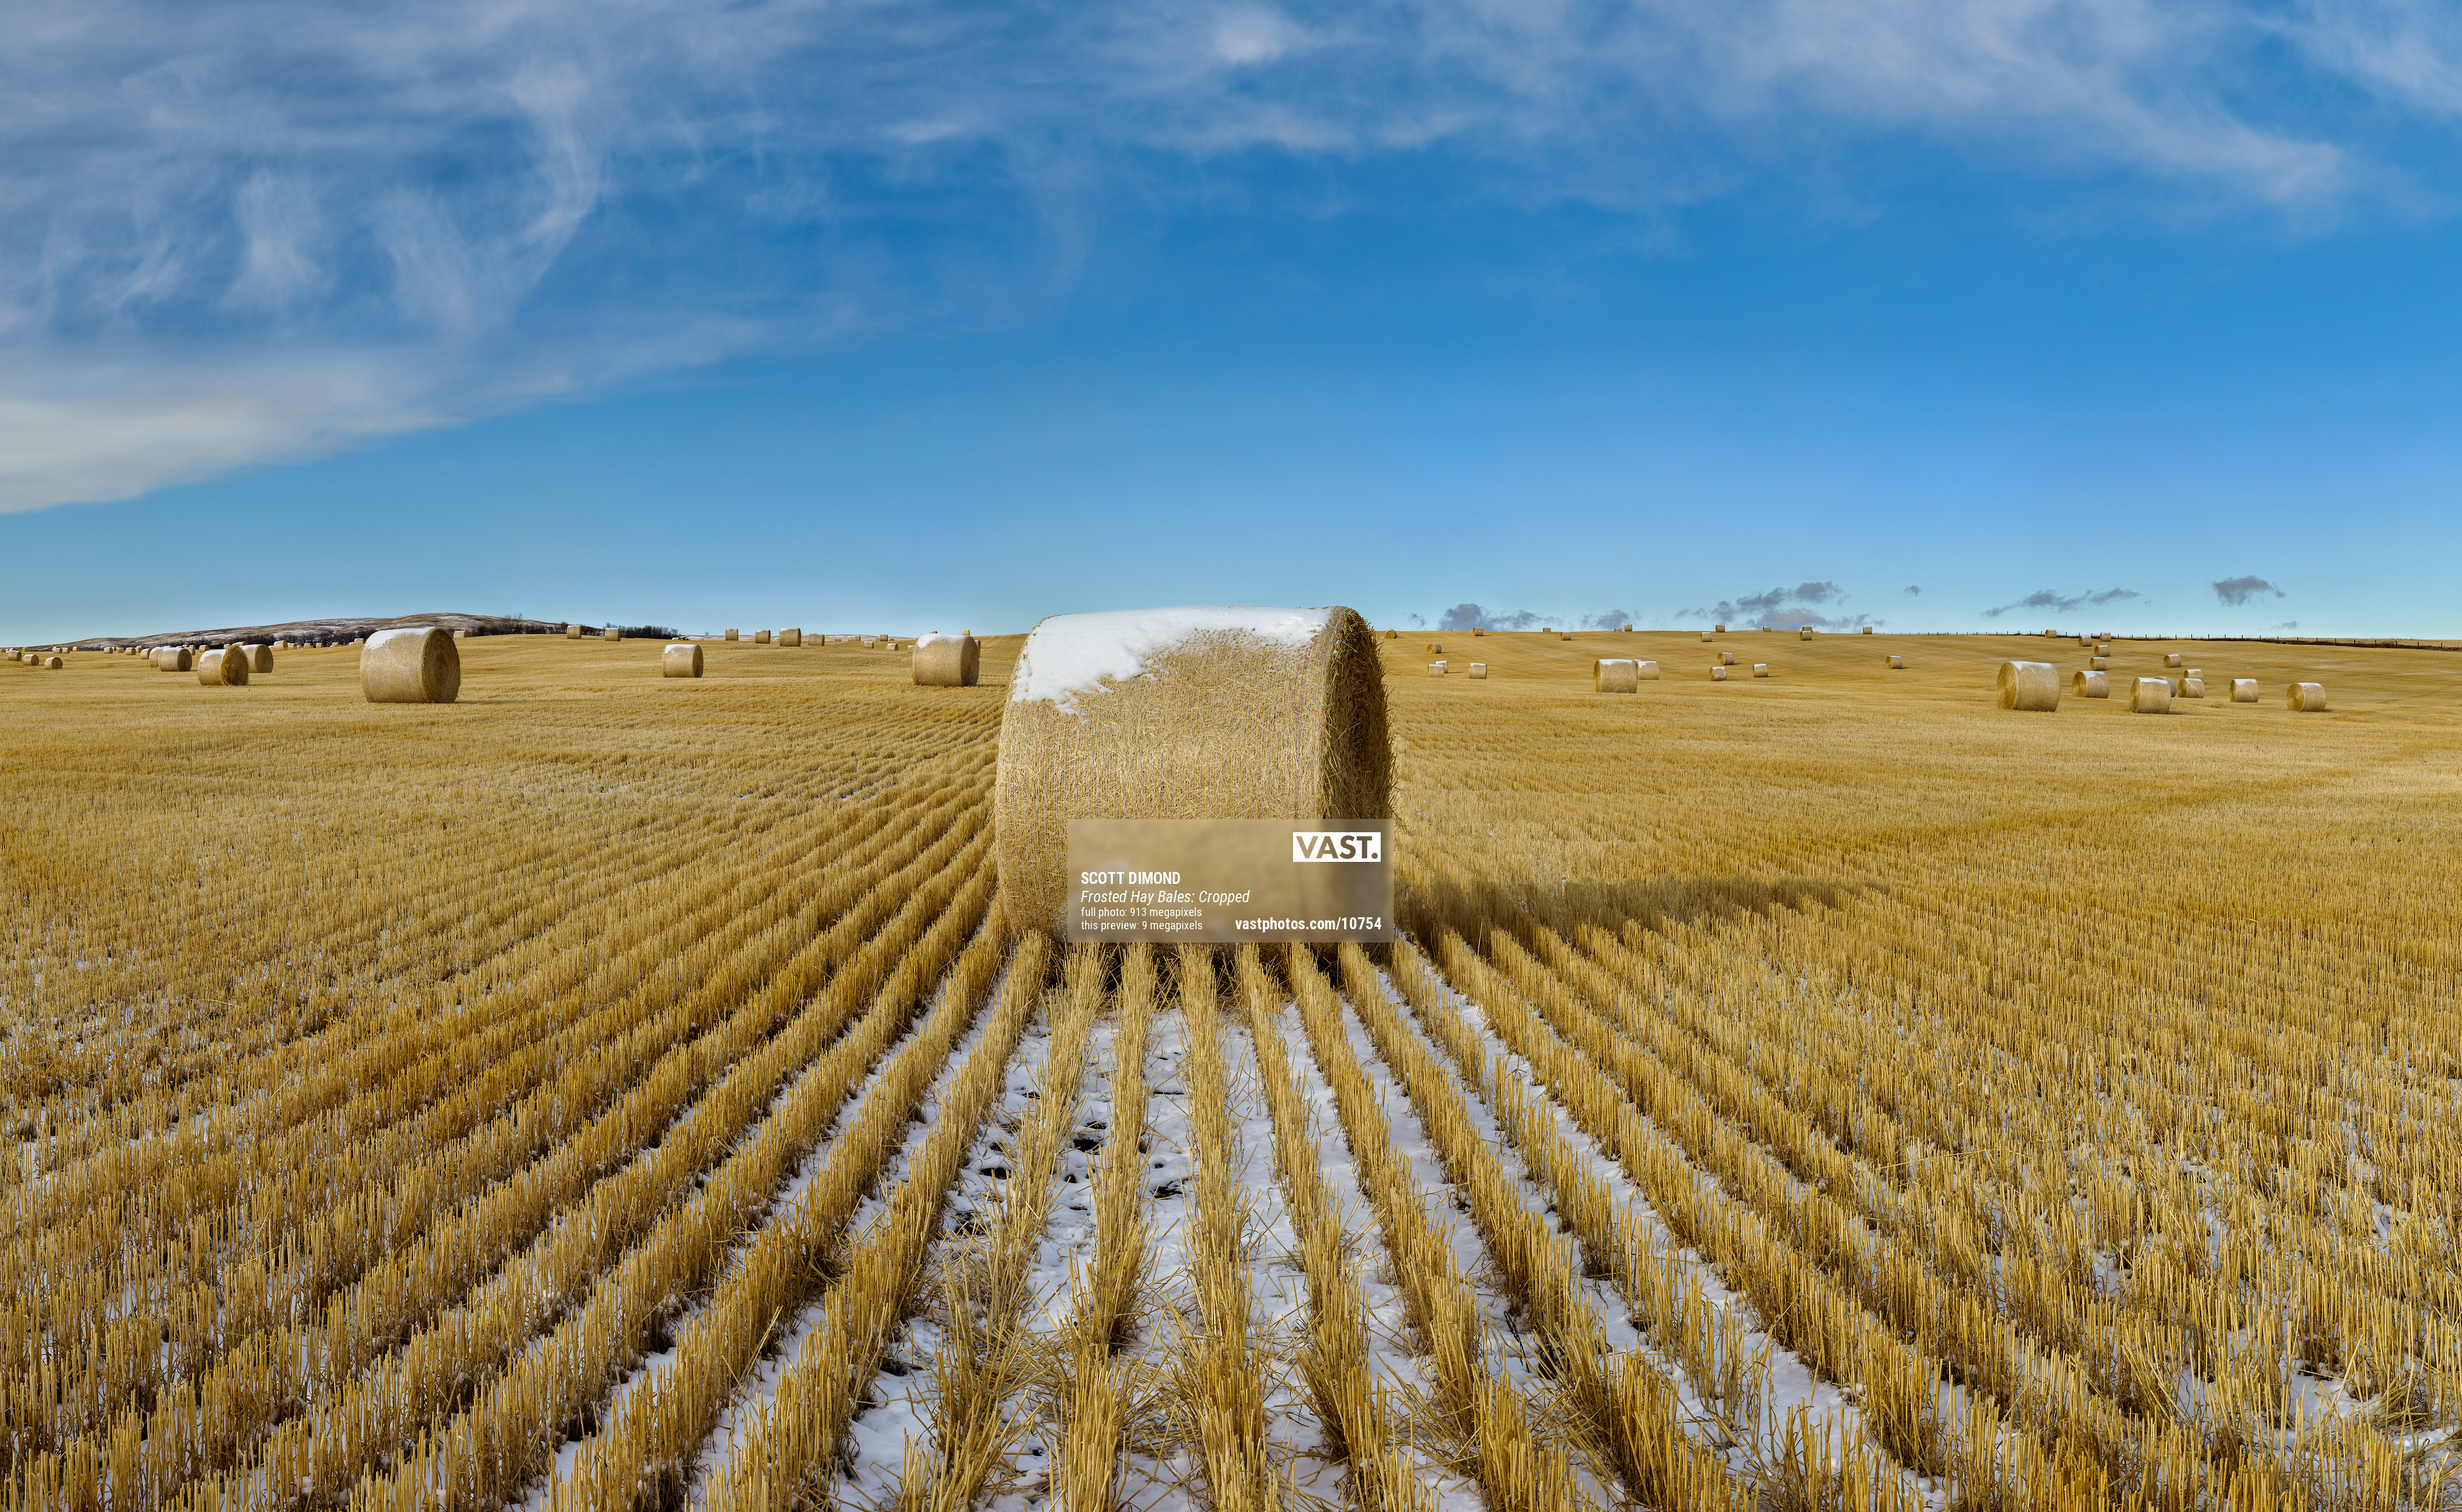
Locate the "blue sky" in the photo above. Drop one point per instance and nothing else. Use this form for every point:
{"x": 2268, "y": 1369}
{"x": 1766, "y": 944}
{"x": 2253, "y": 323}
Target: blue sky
{"x": 912, "y": 316}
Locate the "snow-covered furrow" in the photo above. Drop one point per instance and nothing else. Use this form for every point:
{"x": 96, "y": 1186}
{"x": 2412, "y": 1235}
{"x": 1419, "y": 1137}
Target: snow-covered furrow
{"x": 1171, "y": 1481}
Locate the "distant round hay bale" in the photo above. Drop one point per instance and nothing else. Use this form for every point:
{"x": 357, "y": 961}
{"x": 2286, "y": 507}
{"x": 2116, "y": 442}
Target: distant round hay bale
{"x": 2305, "y": 698}
{"x": 223, "y": 669}
{"x": 573, "y": 631}
{"x": 1897, "y": 664}
{"x": 1726, "y": 658}
{"x": 948, "y": 661}
{"x": 1867, "y": 630}
{"x": 1804, "y": 633}
{"x": 1478, "y": 630}
{"x": 172, "y": 659}
{"x": 1225, "y": 712}
{"x": 415, "y": 665}
{"x": 1705, "y": 637}
{"x": 1479, "y": 670}
{"x": 1435, "y": 669}
{"x": 761, "y": 638}
{"x": 1615, "y": 675}
{"x": 1435, "y": 648}
{"x": 1646, "y": 670}
{"x": 2092, "y": 684}
{"x": 2099, "y": 663}
{"x": 54, "y": 664}
{"x": 1760, "y": 669}
{"x": 1718, "y": 674}
{"x": 867, "y": 640}
{"x": 2193, "y": 687}
{"x": 2029, "y": 685}
{"x": 1720, "y": 629}
{"x": 611, "y": 632}
{"x": 2243, "y": 690}
{"x": 1566, "y": 635}
{"x": 260, "y": 659}
{"x": 681, "y": 659}
{"x": 1391, "y": 634}
{"x": 790, "y": 638}
{"x": 2170, "y": 659}
{"x": 2102, "y": 648}
{"x": 2150, "y": 695}
{"x": 730, "y": 634}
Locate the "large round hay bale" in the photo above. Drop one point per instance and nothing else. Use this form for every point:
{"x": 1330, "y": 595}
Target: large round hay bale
{"x": 2029, "y": 685}
{"x": 1220, "y": 712}
{"x": 790, "y": 638}
{"x": 1726, "y": 658}
{"x": 1760, "y": 669}
{"x": 2099, "y": 663}
{"x": 223, "y": 669}
{"x": 54, "y": 663}
{"x": 1615, "y": 675}
{"x": 416, "y": 664}
{"x": 681, "y": 660}
{"x": 1897, "y": 664}
{"x": 2305, "y": 698}
{"x": 573, "y": 631}
{"x": 260, "y": 659}
{"x": 172, "y": 659}
{"x": 2243, "y": 690}
{"x": 1478, "y": 671}
{"x": 2150, "y": 695}
{"x": 2170, "y": 659}
{"x": 761, "y": 638}
{"x": 2193, "y": 687}
{"x": 611, "y": 632}
{"x": 948, "y": 661}
{"x": 2092, "y": 684}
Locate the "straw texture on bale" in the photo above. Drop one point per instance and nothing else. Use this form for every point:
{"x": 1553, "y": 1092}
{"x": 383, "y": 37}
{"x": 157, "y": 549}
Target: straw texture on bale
{"x": 223, "y": 669}
{"x": 1897, "y": 664}
{"x": 681, "y": 660}
{"x": 172, "y": 659}
{"x": 1479, "y": 670}
{"x": 790, "y": 638}
{"x": 2305, "y": 698}
{"x": 2092, "y": 684}
{"x": 2029, "y": 685}
{"x": 1615, "y": 675}
{"x": 1760, "y": 669}
{"x": 948, "y": 661}
{"x": 573, "y": 631}
{"x": 2171, "y": 658}
{"x": 418, "y": 664}
{"x": 54, "y": 664}
{"x": 2151, "y": 695}
{"x": 1218, "y": 718}
{"x": 2193, "y": 687}
{"x": 1435, "y": 669}
{"x": 2193, "y": 671}
{"x": 761, "y": 638}
{"x": 2243, "y": 690}
{"x": 730, "y": 634}
{"x": 260, "y": 659}
{"x": 2099, "y": 663}
{"x": 1726, "y": 658}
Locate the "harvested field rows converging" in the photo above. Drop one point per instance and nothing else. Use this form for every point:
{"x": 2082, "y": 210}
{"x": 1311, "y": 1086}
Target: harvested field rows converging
{"x": 1817, "y": 1090}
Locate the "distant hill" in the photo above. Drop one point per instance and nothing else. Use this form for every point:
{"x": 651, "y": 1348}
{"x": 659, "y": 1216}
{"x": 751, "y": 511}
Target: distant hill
{"x": 327, "y": 631}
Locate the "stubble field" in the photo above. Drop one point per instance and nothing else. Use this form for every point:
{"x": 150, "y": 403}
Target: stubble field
{"x": 1823, "y": 1091}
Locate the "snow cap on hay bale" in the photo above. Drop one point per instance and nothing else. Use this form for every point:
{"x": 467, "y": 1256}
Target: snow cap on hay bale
{"x": 2092, "y": 684}
{"x": 761, "y": 638}
{"x": 2150, "y": 695}
{"x": 1897, "y": 664}
{"x": 1214, "y": 712}
{"x": 260, "y": 659}
{"x": 172, "y": 659}
{"x": 1760, "y": 669}
{"x": 1647, "y": 671}
{"x": 2305, "y": 698}
{"x": 1435, "y": 669}
{"x": 416, "y": 664}
{"x": 681, "y": 659}
{"x": 223, "y": 669}
{"x": 573, "y": 631}
{"x": 2029, "y": 685}
{"x": 2243, "y": 690}
{"x": 1805, "y": 633}
{"x": 1718, "y": 674}
{"x": 2171, "y": 658}
{"x": 2102, "y": 648}
{"x": 2193, "y": 687}
{"x": 1615, "y": 675}
{"x": 790, "y": 638}
{"x": 948, "y": 661}
{"x": 1479, "y": 670}
{"x": 1726, "y": 658}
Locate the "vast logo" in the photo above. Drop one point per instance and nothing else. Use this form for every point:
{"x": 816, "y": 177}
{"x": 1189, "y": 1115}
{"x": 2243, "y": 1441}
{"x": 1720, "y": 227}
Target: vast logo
{"x": 1329, "y": 845}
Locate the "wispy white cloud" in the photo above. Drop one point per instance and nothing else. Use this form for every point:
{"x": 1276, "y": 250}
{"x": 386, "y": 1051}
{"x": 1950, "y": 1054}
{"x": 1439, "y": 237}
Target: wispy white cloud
{"x": 284, "y": 227}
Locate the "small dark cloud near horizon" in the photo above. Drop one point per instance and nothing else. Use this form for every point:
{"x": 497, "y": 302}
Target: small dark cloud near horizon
{"x": 1803, "y": 604}
{"x": 2288, "y": 624}
{"x": 1612, "y": 619}
{"x": 1470, "y": 617}
{"x": 2237, "y": 591}
{"x": 2053, "y": 598}
{"x": 1915, "y": 589}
